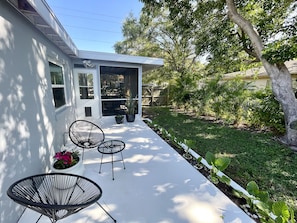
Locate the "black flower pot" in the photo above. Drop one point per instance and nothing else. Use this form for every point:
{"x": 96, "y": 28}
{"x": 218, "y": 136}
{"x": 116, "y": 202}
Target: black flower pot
{"x": 130, "y": 117}
{"x": 119, "y": 119}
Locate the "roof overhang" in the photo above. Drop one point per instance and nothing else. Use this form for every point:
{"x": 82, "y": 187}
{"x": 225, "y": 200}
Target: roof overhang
{"x": 41, "y": 16}
{"x": 148, "y": 63}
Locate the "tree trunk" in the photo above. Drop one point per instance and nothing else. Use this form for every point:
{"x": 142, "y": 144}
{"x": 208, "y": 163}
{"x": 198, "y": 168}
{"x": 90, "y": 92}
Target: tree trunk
{"x": 281, "y": 82}
{"x": 279, "y": 74}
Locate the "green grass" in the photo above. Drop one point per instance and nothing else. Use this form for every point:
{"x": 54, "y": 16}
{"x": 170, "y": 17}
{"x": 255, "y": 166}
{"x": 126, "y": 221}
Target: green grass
{"x": 254, "y": 156}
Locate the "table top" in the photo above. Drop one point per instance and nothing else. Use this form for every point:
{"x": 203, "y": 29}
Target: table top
{"x": 111, "y": 146}
{"x": 50, "y": 192}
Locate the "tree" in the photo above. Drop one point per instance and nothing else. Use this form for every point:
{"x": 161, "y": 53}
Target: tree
{"x": 155, "y": 35}
{"x": 264, "y": 30}
{"x": 137, "y": 40}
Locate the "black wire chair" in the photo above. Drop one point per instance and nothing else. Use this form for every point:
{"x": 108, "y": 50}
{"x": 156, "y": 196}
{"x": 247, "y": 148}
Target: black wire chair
{"x": 85, "y": 134}
{"x": 56, "y": 195}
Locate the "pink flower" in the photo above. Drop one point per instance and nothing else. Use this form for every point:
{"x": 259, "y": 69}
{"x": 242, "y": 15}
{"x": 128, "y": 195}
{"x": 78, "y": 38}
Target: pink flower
{"x": 65, "y": 159}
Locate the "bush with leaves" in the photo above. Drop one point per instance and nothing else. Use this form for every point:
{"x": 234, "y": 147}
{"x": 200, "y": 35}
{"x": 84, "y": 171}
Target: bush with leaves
{"x": 234, "y": 102}
{"x": 222, "y": 99}
{"x": 181, "y": 88}
{"x": 265, "y": 111}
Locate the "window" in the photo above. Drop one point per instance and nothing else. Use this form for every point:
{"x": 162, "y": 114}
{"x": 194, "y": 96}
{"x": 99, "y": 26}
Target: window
{"x": 116, "y": 84}
{"x": 57, "y": 79}
{"x": 86, "y": 88}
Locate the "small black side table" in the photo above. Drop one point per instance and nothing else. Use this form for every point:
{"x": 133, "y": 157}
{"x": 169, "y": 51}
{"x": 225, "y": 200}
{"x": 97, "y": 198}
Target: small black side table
{"x": 56, "y": 195}
{"x": 111, "y": 147}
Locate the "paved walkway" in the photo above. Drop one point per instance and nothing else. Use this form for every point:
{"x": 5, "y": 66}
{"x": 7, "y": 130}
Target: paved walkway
{"x": 157, "y": 186}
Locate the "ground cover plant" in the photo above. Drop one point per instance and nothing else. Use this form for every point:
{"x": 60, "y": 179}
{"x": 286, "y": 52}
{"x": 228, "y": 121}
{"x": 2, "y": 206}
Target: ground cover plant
{"x": 255, "y": 156}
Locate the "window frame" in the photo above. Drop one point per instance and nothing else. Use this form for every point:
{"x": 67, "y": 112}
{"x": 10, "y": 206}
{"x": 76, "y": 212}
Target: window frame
{"x": 87, "y": 87}
{"x": 128, "y": 72}
{"x": 58, "y": 86}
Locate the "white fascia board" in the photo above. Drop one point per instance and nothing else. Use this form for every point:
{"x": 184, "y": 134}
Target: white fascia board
{"x": 46, "y": 13}
{"x": 148, "y": 62}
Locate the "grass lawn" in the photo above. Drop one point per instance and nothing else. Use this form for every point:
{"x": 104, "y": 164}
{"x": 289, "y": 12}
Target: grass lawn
{"x": 254, "y": 156}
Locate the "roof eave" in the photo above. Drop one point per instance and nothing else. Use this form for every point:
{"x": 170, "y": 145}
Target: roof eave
{"x": 41, "y": 16}
{"x": 148, "y": 63}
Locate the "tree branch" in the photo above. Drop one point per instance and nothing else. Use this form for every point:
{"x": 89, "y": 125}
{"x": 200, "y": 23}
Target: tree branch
{"x": 247, "y": 47}
{"x": 246, "y": 26}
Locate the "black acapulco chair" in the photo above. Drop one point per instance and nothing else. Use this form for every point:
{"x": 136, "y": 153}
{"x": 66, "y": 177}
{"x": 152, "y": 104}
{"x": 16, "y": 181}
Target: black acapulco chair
{"x": 56, "y": 195}
{"x": 86, "y": 134}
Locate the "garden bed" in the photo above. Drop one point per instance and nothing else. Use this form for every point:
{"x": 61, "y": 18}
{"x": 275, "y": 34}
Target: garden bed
{"x": 257, "y": 158}
{"x": 228, "y": 190}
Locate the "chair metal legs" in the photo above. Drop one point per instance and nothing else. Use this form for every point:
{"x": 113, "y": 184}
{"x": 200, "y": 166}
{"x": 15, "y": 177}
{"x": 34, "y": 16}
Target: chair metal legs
{"x": 106, "y": 212}
{"x": 112, "y": 161}
{"x": 123, "y": 160}
{"x": 39, "y": 218}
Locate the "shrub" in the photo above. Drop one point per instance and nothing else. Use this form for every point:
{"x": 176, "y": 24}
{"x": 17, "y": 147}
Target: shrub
{"x": 231, "y": 101}
{"x": 222, "y": 99}
{"x": 265, "y": 111}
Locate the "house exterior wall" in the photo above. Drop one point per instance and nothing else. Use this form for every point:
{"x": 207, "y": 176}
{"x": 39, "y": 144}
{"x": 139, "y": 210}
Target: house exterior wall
{"x": 258, "y": 78}
{"x": 262, "y": 82}
{"x": 31, "y": 129}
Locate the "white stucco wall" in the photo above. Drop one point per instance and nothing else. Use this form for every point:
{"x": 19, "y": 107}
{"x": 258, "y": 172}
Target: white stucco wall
{"x": 30, "y": 127}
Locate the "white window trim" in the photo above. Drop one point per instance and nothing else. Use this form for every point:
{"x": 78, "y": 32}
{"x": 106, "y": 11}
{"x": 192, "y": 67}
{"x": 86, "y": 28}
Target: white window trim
{"x": 59, "y": 85}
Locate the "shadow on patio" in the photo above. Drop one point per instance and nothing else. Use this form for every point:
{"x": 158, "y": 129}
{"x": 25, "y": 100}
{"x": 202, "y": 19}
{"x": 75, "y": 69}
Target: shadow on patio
{"x": 157, "y": 186}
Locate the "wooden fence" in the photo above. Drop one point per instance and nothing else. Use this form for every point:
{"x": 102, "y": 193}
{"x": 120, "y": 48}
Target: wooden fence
{"x": 154, "y": 95}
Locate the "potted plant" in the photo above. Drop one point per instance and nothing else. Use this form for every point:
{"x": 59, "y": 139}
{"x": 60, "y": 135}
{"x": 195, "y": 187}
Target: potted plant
{"x": 119, "y": 118}
{"x": 68, "y": 162}
{"x": 130, "y": 109}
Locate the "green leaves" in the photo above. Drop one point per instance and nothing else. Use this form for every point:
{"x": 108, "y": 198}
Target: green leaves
{"x": 280, "y": 209}
{"x": 215, "y": 34}
{"x": 265, "y": 110}
{"x": 252, "y": 188}
{"x": 218, "y": 164}
{"x": 210, "y": 158}
{"x": 281, "y": 51}
{"x": 265, "y": 207}
{"x": 283, "y": 212}
{"x": 222, "y": 163}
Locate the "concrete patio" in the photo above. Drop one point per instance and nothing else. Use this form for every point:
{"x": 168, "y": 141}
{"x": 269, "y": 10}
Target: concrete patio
{"x": 157, "y": 186}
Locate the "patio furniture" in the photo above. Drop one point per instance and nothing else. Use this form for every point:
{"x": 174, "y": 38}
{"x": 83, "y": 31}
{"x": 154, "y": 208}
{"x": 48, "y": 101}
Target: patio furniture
{"x": 111, "y": 147}
{"x": 56, "y": 195}
{"x": 85, "y": 134}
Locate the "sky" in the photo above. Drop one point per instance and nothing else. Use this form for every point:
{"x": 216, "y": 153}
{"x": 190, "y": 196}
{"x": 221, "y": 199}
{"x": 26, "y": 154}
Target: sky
{"x": 94, "y": 25}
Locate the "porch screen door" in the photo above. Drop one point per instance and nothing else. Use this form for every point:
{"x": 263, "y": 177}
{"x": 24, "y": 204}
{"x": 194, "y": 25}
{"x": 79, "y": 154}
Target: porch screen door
{"x": 86, "y": 93}
{"x": 116, "y": 84}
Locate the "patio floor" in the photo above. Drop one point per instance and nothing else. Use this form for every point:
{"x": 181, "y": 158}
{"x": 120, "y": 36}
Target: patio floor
{"x": 157, "y": 186}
